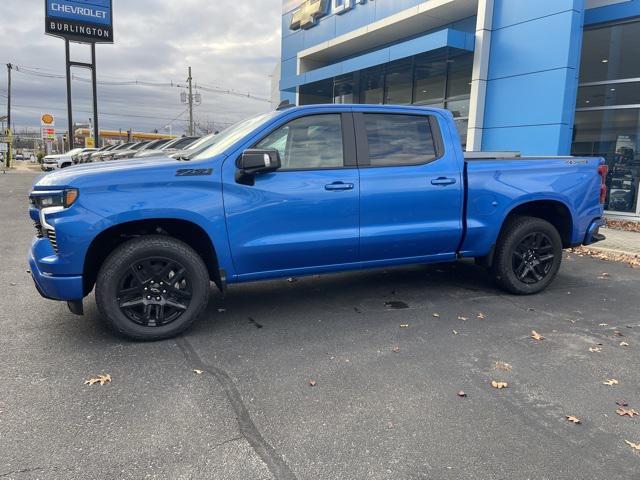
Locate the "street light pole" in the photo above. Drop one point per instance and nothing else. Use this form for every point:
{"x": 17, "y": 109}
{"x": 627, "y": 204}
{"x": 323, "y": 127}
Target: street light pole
{"x": 9, "y": 68}
{"x": 190, "y": 103}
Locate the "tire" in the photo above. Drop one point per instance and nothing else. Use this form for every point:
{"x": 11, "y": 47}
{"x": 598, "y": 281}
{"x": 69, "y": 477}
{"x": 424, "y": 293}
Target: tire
{"x": 151, "y": 288}
{"x": 528, "y": 255}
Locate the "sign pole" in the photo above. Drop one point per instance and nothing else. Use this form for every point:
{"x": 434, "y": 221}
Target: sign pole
{"x": 71, "y": 133}
{"x": 96, "y": 130}
{"x": 8, "y": 160}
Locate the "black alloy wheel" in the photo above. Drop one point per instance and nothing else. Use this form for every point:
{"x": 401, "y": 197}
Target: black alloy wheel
{"x": 533, "y": 258}
{"x": 154, "y": 292}
{"x": 152, "y": 287}
{"x": 528, "y": 255}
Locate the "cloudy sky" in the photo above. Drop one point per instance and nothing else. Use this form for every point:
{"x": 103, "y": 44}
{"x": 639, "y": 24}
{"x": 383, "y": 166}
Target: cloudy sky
{"x": 229, "y": 45}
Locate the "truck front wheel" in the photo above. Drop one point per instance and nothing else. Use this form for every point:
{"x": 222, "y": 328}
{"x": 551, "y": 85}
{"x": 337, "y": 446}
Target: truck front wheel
{"x": 152, "y": 287}
{"x": 528, "y": 255}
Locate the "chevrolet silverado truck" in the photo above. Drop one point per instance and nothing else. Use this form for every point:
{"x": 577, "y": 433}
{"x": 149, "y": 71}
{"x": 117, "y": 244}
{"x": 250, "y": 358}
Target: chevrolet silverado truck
{"x": 300, "y": 191}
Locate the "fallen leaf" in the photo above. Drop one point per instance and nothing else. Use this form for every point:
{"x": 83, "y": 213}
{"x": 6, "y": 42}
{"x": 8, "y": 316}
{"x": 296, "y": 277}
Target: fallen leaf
{"x": 603, "y": 324}
{"x": 605, "y": 274}
{"x": 625, "y": 411}
{"x": 462, "y": 394}
{"x": 312, "y": 383}
{"x": 395, "y": 349}
{"x": 499, "y": 385}
{"x": 198, "y": 372}
{"x": 624, "y": 344}
{"x": 222, "y": 310}
{"x": 455, "y": 332}
{"x": 595, "y": 349}
{"x": 536, "y": 336}
{"x": 404, "y": 325}
{"x": 390, "y": 425}
{"x": 481, "y": 316}
{"x": 618, "y": 333}
{"x": 611, "y": 382}
{"x": 622, "y": 403}
{"x": 291, "y": 280}
{"x": 464, "y": 319}
{"x": 635, "y": 446}
{"x": 101, "y": 379}
{"x": 499, "y": 365}
{"x": 13, "y": 284}
{"x": 572, "y": 418}
{"x": 436, "y": 315}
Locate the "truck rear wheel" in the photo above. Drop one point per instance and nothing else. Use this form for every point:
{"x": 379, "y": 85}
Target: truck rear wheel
{"x": 528, "y": 255}
{"x": 152, "y": 287}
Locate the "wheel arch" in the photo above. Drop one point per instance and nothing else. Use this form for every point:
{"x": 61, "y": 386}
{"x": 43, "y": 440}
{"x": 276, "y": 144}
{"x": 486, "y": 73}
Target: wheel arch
{"x": 187, "y": 231}
{"x": 556, "y": 212}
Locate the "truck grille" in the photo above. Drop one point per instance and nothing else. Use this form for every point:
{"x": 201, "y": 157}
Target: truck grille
{"x": 38, "y": 229}
{"x": 51, "y": 235}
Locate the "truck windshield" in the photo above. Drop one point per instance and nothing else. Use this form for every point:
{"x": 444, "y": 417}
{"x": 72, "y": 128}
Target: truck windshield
{"x": 228, "y": 137}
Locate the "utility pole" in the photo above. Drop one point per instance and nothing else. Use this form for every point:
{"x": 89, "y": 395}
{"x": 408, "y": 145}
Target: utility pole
{"x": 190, "y": 103}
{"x": 9, "y": 68}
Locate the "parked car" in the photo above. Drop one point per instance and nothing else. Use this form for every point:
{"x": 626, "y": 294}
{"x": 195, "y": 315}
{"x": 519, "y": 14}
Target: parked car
{"x": 55, "y": 162}
{"x": 129, "y": 152}
{"x": 19, "y": 156}
{"x": 303, "y": 191}
{"x": 155, "y": 144}
{"x": 196, "y": 147}
{"x": 108, "y": 154}
{"x": 77, "y": 158}
{"x": 168, "y": 148}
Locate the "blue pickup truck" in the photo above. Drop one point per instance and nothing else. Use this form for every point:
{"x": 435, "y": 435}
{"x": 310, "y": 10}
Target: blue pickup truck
{"x": 299, "y": 191}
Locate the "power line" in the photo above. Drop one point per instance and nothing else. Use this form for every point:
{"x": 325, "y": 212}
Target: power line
{"x": 119, "y": 83}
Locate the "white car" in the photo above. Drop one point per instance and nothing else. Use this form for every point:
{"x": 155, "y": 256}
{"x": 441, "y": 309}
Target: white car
{"x": 64, "y": 160}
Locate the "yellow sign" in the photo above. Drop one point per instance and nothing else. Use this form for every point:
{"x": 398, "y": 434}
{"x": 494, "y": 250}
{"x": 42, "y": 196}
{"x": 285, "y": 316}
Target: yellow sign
{"x": 47, "y": 120}
{"x": 308, "y": 14}
{"x": 89, "y": 143}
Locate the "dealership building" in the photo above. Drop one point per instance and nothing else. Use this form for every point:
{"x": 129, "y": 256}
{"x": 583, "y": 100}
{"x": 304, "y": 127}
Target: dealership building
{"x": 541, "y": 77}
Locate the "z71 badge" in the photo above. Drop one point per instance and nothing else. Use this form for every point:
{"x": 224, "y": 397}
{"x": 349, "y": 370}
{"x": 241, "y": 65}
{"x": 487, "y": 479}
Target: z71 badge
{"x": 193, "y": 172}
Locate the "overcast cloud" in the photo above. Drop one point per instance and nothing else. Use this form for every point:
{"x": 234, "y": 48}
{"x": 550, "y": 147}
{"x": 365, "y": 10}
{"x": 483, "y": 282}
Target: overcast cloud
{"x": 229, "y": 44}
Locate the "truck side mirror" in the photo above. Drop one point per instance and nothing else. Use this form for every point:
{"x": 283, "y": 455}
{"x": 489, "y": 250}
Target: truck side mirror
{"x": 253, "y": 162}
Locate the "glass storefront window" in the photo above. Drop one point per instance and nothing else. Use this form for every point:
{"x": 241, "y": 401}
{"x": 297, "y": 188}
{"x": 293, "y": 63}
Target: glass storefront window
{"x": 317, "y": 92}
{"x": 438, "y": 79}
{"x": 345, "y": 89}
{"x": 372, "y": 85}
{"x": 607, "y": 122}
{"x": 398, "y": 82}
{"x": 611, "y": 52}
{"x": 430, "y": 78}
{"x": 609, "y": 94}
{"x": 614, "y": 135}
{"x": 459, "y": 75}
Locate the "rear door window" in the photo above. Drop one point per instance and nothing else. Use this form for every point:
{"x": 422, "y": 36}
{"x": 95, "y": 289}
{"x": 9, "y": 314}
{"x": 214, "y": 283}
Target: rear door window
{"x": 396, "y": 140}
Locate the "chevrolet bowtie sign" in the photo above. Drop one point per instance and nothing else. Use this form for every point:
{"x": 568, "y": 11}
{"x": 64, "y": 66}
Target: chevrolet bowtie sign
{"x": 308, "y": 14}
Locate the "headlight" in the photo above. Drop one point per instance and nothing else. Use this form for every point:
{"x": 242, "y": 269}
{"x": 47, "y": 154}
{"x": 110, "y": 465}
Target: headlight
{"x": 59, "y": 198}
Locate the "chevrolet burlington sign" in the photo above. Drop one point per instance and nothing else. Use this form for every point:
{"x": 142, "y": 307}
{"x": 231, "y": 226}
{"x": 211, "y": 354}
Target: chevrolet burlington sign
{"x": 80, "y": 20}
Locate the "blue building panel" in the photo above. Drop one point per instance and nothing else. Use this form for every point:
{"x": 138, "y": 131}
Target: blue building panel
{"x": 529, "y": 140}
{"x": 543, "y": 103}
{"x": 521, "y": 49}
{"x": 512, "y": 12}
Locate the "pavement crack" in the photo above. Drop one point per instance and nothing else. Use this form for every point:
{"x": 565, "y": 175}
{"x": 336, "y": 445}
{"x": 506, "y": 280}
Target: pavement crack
{"x": 22, "y": 470}
{"x": 274, "y": 462}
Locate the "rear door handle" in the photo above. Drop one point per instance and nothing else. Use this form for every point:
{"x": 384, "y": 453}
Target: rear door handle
{"x": 338, "y": 186}
{"x": 443, "y": 181}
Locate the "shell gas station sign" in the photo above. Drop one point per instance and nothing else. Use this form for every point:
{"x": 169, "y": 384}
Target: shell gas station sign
{"x": 47, "y": 122}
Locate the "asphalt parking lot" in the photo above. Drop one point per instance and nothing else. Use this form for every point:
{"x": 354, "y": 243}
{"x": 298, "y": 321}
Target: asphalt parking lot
{"x": 388, "y": 351}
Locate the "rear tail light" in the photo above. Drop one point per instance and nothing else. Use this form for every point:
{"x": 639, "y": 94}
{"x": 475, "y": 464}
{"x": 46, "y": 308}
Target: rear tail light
{"x": 603, "y": 170}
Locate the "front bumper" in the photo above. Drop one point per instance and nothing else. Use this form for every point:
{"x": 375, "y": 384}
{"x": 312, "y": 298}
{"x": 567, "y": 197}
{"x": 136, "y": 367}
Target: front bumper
{"x": 47, "y": 167}
{"x": 53, "y": 287}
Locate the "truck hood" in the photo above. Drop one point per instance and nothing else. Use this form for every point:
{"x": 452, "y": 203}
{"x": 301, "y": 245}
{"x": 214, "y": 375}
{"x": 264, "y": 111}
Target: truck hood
{"x": 111, "y": 173}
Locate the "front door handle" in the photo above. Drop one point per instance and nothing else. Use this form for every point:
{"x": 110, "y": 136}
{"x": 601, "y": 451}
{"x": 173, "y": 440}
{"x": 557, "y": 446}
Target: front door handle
{"x": 443, "y": 181}
{"x": 338, "y": 186}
